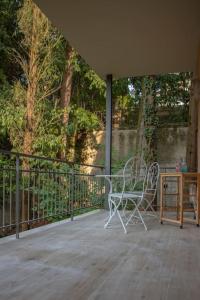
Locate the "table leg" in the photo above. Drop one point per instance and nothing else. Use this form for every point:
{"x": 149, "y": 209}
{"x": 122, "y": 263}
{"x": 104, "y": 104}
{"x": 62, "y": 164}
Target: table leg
{"x": 181, "y": 182}
{"x": 161, "y": 199}
{"x": 178, "y": 199}
{"x": 198, "y": 200}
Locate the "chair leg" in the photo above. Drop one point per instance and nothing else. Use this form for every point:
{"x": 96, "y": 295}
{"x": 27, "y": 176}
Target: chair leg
{"x": 149, "y": 206}
{"x": 132, "y": 214}
{"x": 141, "y": 218}
{"x": 139, "y": 214}
{"x": 110, "y": 209}
{"x": 125, "y": 231}
{"x": 124, "y": 208}
{"x": 112, "y": 213}
{"x": 110, "y": 205}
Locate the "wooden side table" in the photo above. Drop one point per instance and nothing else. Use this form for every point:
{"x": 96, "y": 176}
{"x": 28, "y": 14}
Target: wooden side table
{"x": 187, "y": 197}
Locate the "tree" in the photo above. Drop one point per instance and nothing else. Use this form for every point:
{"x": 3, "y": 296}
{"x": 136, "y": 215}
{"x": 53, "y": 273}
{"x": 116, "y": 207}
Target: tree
{"x": 191, "y": 154}
{"x": 38, "y": 45}
{"x": 152, "y": 94}
{"x": 9, "y": 70}
{"x": 9, "y": 39}
{"x": 65, "y": 95}
{"x": 50, "y": 99}
{"x": 144, "y": 91}
{"x": 87, "y": 101}
{"x": 150, "y": 120}
{"x": 52, "y": 84}
{"x": 140, "y": 126}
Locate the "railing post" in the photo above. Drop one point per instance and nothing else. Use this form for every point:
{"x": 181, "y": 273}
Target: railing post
{"x": 17, "y": 206}
{"x": 72, "y": 197}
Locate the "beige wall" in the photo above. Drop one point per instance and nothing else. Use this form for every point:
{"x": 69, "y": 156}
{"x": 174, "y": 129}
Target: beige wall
{"x": 171, "y": 145}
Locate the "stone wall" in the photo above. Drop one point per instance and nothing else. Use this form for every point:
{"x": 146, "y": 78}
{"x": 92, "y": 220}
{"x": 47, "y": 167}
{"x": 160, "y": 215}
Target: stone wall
{"x": 171, "y": 145}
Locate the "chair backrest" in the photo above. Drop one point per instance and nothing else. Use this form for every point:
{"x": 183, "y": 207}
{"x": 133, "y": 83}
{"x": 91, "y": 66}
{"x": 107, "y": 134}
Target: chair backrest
{"x": 152, "y": 178}
{"x": 134, "y": 173}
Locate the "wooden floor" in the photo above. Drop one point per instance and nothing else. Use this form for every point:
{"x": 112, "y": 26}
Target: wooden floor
{"x": 81, "y": 260}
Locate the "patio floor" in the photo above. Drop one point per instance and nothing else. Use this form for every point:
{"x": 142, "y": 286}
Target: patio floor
{"x": 81, "y": 260}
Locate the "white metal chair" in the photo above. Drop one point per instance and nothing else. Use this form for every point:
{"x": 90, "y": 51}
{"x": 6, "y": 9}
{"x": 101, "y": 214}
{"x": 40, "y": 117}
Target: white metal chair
{"x": 133, "y": 177}
{"x": 144, "y": 202}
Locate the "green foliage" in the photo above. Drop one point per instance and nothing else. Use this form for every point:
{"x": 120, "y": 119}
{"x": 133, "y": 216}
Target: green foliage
{"x": 171, "y": 93}
{"x": 12, "y": 113}
{"x": 87, "y": 105}
{"x": 49, "y": 52}
{"x": 173, "y": 89}
{"x": 9, "y": 38}
{"x": 48, "y": 140}
{"x": 88, "y": 89}
{"x": 151, "y": 119}
{"x": 82, "y": 119}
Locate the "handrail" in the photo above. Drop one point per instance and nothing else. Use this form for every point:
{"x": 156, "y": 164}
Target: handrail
{"x": 35, "y": 194}
{"x": 47, "y": 158}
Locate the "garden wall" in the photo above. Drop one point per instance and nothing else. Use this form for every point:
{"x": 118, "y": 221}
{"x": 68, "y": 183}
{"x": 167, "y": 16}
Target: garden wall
{"x": 171, "y": 145}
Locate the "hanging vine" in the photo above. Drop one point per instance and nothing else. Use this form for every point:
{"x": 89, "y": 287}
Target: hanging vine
{"x": 150, "y": 120}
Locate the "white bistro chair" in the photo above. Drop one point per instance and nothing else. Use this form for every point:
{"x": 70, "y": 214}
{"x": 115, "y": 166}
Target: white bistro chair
{"x": 133, "y": 177}
{"x": 144, "y": 202}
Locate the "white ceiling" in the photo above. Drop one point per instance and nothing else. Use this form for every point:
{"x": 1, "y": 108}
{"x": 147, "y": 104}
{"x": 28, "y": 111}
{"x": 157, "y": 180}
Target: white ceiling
{"x": 130, "y": 37}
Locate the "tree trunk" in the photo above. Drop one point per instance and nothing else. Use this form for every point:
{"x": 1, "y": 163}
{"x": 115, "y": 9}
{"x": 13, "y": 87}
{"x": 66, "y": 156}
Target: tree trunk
{"x": 191, "y": 153}
{"x": 140, "y": 127}
{"x": 66, "y": 90}
{"x": 30, "y": 105}
{"x": 150, "y": 124}
{"x": 193, "y": 141}
{"x": 31, "y": 89}
{"x": 72, "y": 143}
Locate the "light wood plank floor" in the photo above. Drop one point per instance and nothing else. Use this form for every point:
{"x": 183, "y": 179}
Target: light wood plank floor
{"x": 81, "y": 260}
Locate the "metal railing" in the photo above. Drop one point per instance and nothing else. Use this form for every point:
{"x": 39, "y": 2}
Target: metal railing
{"x": 36, "y": 190}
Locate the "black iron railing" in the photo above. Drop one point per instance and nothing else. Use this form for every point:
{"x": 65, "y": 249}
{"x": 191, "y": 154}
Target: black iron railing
{"x": 36, "y": 190}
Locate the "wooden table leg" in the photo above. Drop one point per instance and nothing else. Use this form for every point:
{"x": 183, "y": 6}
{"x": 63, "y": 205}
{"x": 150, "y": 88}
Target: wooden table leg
{"x": 161, "y": 199}
{"x": 178, "y": 199}
{"x": 181, "y": 182}
{"x": 198, "y": 199}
